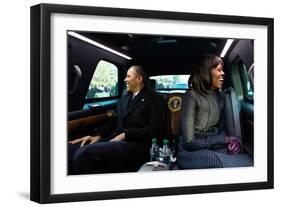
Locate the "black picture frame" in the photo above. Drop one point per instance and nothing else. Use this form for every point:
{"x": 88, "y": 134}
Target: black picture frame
{"x": 40, "y": 177}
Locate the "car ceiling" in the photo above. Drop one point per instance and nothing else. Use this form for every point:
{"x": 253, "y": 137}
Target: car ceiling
{"x": 158, "y": 53}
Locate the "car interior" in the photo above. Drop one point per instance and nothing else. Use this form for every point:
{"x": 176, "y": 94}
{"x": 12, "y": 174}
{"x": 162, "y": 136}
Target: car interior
{"x": 98, "y": 62}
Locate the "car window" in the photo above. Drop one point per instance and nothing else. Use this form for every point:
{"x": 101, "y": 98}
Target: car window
{"x": 104, "y": 82}
{"x": 246, "y": 84}
{"x": 171, "y": 82}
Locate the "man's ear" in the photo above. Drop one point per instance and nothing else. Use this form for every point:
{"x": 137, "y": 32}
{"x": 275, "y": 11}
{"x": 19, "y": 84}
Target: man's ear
{"x": 139, "y": 78}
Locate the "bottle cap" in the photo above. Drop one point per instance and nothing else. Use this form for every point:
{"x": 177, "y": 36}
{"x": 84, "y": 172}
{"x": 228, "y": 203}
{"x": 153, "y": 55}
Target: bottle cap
{"x": 154, "y": 140}
{"x": 165, "y": 141}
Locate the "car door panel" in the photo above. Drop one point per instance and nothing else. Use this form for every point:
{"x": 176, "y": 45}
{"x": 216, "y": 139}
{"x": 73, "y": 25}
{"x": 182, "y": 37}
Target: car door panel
{"x": 86, "y": 121}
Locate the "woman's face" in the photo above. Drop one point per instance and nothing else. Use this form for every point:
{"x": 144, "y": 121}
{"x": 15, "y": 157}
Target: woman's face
{"x": 217, "y": 77}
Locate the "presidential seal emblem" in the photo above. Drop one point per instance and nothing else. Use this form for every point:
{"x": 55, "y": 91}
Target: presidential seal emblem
{"x": 174, "y": 103}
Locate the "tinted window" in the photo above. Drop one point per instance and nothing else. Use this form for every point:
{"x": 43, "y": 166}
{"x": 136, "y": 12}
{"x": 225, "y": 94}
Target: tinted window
{"x": 171, "y": 82}
{"x": 247, "y": 87}
{"x": 104, "y": 82}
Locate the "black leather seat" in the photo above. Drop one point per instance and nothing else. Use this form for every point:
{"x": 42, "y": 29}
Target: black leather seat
{"x": 151, "y": 84}
{"x": 232, "y": 113}
{"x": 233, "y": 119}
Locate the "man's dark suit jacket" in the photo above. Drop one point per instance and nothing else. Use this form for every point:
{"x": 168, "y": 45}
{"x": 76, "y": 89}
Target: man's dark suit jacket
{"x": 140, "y": 119}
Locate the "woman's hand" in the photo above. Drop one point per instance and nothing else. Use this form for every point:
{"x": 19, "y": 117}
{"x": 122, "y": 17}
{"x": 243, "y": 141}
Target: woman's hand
{"x": 233, "y": 145}
{"x": 84, "y": 140}
{"x": 119, "y": 137}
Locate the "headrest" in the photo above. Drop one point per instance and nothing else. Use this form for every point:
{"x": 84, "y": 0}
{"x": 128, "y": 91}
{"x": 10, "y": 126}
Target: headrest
{"x": 151, "y": 84}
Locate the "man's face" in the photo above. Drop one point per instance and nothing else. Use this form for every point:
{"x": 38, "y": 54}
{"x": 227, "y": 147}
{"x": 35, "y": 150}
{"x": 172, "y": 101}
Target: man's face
{"x": 132, "y": 80}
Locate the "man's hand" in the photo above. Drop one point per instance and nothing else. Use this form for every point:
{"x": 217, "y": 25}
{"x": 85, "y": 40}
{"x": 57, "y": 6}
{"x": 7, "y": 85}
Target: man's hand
{"x": 119, "y": 137}
{"x": 84, "y": 140}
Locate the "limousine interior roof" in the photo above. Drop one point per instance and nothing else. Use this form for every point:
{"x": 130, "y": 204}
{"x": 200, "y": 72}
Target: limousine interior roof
{"x": 158, "y": 53}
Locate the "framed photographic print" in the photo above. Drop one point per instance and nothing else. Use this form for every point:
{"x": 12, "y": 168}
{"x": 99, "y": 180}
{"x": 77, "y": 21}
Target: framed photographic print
{"x": 132, "y": 103}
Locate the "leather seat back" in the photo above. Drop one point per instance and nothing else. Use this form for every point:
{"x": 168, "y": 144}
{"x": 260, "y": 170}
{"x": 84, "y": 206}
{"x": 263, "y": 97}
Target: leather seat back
{"x": 151, "y": 84}
{"x": 232, "y": 113}
{"x": 173, "y": 115}
{"x": 171, "y": 103}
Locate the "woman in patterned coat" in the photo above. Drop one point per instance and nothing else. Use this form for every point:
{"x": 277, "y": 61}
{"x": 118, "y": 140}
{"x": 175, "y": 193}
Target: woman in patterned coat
{"x": 203, "y": 142}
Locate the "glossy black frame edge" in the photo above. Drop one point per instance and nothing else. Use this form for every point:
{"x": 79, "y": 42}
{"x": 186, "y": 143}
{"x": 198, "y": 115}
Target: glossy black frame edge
{"x": 40, "y": 102}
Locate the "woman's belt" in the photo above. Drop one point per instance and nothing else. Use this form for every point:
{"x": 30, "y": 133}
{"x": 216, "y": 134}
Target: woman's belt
{"x": 214, "y": 130}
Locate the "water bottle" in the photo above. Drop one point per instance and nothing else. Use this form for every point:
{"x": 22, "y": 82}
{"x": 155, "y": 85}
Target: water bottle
{"x": 166, "y": 152}
{"x": 154, "y": 150}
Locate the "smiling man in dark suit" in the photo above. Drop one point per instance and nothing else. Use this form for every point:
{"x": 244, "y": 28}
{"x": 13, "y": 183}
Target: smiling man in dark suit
{"x": 139, "y": 119}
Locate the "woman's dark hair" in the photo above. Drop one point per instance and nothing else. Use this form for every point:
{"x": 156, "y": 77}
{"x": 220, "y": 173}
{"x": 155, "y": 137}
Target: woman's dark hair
{"x": 202, "y": 76}
{"x": 140, "y": 71}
